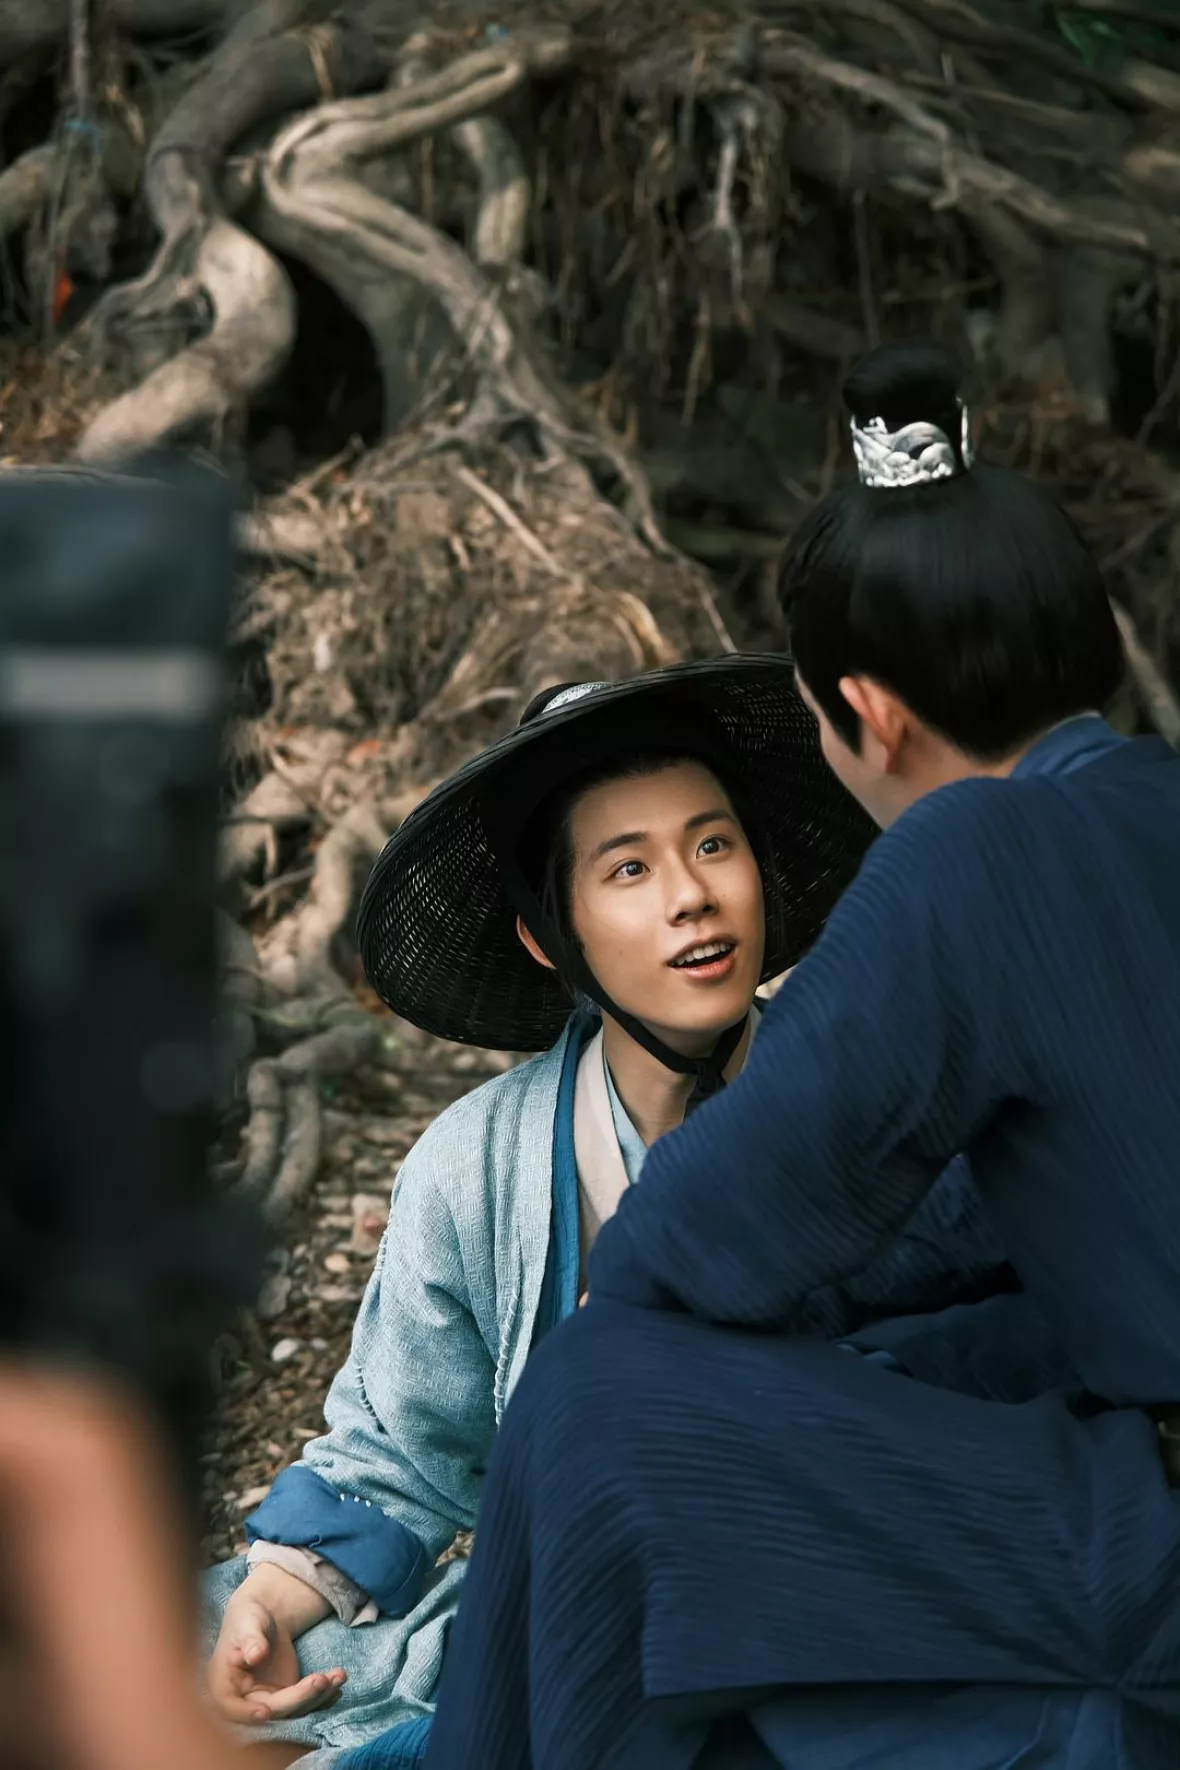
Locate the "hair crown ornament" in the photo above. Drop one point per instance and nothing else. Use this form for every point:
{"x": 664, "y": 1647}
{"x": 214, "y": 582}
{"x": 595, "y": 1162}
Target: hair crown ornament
{"x": 918, "y": 454}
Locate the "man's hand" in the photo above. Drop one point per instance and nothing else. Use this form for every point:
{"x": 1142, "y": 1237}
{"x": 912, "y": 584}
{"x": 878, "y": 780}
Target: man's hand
{"x": 254, "y": 1672}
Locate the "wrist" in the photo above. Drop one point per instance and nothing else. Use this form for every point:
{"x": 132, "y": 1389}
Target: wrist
{"x": 293, "y": 1603}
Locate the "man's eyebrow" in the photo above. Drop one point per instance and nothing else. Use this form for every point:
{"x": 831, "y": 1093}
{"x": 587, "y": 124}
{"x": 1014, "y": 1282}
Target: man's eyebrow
{"x": 627, "y": 839}
{"x": 633, "y": 838}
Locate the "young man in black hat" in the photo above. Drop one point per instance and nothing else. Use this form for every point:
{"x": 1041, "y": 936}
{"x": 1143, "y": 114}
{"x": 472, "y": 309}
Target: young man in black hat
{"x": 608, "y": 886}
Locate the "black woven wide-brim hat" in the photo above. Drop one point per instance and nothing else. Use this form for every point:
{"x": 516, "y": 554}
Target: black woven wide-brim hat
{"x": 437, "y": 922}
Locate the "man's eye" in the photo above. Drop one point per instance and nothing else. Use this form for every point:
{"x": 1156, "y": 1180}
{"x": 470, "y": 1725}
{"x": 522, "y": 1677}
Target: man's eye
{"x": 630, "y": 869}
{"x": 713, "y": 845}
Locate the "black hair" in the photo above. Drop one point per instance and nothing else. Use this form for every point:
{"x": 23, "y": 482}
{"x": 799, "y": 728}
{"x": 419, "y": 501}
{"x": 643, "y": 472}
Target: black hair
{"x": 973, "y": 597}
{"x": 546, "y": 851}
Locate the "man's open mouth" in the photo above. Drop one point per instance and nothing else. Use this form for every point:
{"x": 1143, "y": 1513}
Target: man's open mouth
{"x": 708, "y": 953}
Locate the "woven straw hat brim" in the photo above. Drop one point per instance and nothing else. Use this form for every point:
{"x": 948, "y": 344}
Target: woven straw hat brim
{"x": 436, "y": 929}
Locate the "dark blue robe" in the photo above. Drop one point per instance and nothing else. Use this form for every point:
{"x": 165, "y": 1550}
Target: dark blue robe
{"x": 691, "y": 1498}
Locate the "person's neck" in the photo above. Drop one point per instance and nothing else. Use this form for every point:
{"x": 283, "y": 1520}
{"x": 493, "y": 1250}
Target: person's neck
{"x": 654, "y": 1097}
{"x": 939, "y": 764}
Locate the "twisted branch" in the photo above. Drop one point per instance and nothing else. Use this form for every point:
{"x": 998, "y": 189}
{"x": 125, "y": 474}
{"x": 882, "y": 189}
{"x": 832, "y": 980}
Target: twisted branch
{"x": 263, "y": 68}
{"x": 315, "y": 207}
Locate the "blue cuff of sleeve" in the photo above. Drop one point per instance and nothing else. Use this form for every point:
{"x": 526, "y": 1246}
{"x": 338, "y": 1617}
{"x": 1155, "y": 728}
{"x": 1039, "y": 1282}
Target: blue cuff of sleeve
{"x": 402, "y": 1748}
{"x": 377, "y": 1553}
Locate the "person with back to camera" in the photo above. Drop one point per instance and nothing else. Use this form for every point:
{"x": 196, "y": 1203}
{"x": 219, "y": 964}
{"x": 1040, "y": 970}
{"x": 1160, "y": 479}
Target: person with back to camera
{"x": 695, "y": 1509}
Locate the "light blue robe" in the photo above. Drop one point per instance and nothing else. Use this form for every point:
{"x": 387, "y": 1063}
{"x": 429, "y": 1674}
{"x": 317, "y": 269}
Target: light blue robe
{"x": 479, "y": 1258}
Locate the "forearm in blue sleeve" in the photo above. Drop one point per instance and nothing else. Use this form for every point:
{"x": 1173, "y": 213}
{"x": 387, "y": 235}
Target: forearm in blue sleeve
{"x": 378, "y": 1553}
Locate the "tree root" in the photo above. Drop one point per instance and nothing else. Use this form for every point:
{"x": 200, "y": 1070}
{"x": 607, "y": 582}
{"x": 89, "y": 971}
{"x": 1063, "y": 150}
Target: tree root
{"x": 284, "y": 1137}
{"x": 262, "y": 70}
{"x": 1063, "y": 247}
{"x": 316, "y": 208}
{"x": 1154, "y": 692}
{"x": 1026, "y": 327}
{"x": 23, "y": 187}
{"x": 205, "y": 261}
{"x": 274, "y": 804}
{"x": 504, "y": 193}
{"x": 302, "y": 1150}
{"x": 297, "y": 955}
{"x": 282, "y": 535}
{"x": 264, "y": 1133}
{"x": 32, "y": 27}
{"x": 1088, "y": 279}
{"x": 252, "y": 335}
{"x": 301, "y": 999}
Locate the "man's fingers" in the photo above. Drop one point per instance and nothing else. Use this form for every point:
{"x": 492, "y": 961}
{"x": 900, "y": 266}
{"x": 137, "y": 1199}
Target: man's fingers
{"x": 239, "y": 1668}
{"x": 252, "y": 1650}
{"x": 260, "y": 1703}
{"x": 247, "y": 1637}
{"x": 244, "y": 1707}
{"x": 319, "y": 1690}
{"x": 236, "y": 1687}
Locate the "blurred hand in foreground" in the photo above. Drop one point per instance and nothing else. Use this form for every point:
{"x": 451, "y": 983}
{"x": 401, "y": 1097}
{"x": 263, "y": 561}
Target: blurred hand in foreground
{"x": 97, "y": 1651}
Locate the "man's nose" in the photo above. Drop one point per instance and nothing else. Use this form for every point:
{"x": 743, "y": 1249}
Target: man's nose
{"x": 689, "y": 894}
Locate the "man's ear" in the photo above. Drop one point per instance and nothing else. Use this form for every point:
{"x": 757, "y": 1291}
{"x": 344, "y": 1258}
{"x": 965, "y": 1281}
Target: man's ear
{"x": 884, "y": 716}
{"x": 531, "y": 948}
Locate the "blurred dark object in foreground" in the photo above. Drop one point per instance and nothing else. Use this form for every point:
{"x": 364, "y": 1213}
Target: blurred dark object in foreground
{"x": 114, "y": 1250}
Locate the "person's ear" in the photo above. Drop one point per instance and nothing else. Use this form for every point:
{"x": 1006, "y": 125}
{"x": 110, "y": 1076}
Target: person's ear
{"x": 531, "y": 948}
{"x": 885, "y": 719}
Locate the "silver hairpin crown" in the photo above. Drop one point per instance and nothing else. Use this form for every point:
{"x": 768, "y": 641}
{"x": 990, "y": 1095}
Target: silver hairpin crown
{"x": 918, "y": 454}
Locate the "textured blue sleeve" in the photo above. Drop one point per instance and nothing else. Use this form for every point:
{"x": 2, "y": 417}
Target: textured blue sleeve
{"x": 879, "y": 1060}
{"x": 1001, "y": 1349}
{"x": 948, "y": 1253}
{"x": 376, "y": 1552}
{"x": 402, "y": 1748}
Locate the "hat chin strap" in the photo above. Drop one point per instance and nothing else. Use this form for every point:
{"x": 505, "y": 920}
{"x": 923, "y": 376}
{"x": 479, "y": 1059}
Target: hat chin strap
{"x": 709, "y": 1070}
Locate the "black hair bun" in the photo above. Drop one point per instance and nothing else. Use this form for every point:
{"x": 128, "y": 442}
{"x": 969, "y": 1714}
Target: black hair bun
{"x": 907, "y": 383}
